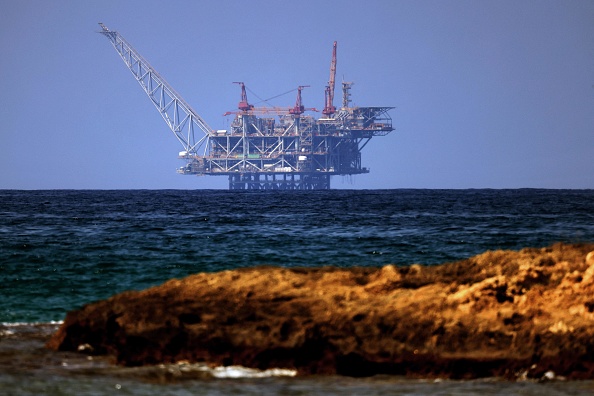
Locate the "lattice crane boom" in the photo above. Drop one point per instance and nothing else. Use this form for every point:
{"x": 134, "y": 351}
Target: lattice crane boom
{"x": 183, "y": 121}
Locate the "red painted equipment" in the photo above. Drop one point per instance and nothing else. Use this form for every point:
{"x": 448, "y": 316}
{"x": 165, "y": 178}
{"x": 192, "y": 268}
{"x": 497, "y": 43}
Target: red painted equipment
{"x": 329, "y": 108}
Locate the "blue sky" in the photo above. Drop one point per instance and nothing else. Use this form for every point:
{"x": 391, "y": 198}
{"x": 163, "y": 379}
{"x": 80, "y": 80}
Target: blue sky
{"x": 488, "y": 94}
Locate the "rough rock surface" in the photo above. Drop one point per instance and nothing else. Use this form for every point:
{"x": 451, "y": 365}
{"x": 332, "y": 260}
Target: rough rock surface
{"x": 502, "y": 313}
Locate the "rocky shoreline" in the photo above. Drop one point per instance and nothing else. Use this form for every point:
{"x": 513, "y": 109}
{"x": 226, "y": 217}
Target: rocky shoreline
{"x": 508, "y": 314}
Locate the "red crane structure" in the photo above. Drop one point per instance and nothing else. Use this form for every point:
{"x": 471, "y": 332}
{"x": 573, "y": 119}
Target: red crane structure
{"x": 243, "y": 104}
{"x": 247, "y": 109}
{"x": 329, "y": 108}
{"x": 299, "y": 108}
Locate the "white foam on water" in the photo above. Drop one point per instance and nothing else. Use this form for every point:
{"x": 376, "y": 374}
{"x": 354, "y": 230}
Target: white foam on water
{"x": 226, "y": 371}
{"x": 244, "y": 372}
{"x": 12, "y": 328}
{"x": 4, "y": 333}
{"x": 20, "y": 324}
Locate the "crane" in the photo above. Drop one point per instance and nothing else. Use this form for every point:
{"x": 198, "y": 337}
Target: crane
{"x": 329, "y": 108}
{"x": 183, "y": 121}
{"x": 299, "y": 108}
{"x": 246, "y": 108}
{"x": 243, "y": 104}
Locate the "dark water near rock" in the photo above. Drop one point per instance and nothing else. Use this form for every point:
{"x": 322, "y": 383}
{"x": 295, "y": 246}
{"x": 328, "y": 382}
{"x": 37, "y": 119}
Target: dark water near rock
{"x": 62, "y": 249}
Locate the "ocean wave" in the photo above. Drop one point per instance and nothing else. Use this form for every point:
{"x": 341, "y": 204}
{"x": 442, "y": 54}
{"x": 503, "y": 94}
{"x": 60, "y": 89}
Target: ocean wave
{"x": 244, "y": 372}
{"x": 12, "y": 329}
{"x": 31, "y": 324}
{"x": 231, "y": 372}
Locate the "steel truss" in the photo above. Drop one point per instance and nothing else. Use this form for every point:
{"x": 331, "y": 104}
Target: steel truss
{"x": 279, "y": 181}
{"x": 179, "y": 116}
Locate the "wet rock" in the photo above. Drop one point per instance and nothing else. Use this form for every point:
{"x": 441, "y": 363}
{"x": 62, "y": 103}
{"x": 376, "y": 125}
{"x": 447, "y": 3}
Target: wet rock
{"x": 495, "y": 314}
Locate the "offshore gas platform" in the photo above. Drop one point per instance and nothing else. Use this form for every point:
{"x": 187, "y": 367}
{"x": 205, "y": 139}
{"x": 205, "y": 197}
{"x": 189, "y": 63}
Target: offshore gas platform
{"x": 265, "y": 147}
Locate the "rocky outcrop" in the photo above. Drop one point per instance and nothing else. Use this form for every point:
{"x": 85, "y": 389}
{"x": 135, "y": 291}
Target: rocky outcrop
{"x": 523, "y": 314}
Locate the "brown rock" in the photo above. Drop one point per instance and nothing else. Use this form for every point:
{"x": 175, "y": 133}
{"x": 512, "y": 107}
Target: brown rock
{"x": 501, "y": 313}
{"x": 590, "y": 258}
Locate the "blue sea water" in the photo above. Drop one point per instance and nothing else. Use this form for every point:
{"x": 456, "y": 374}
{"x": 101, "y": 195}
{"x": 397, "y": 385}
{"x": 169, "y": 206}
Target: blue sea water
{"x": 60, "y": 249}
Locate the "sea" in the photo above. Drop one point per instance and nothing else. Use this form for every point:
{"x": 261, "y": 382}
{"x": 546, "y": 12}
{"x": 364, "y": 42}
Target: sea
{"x": 61, "y": 249}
